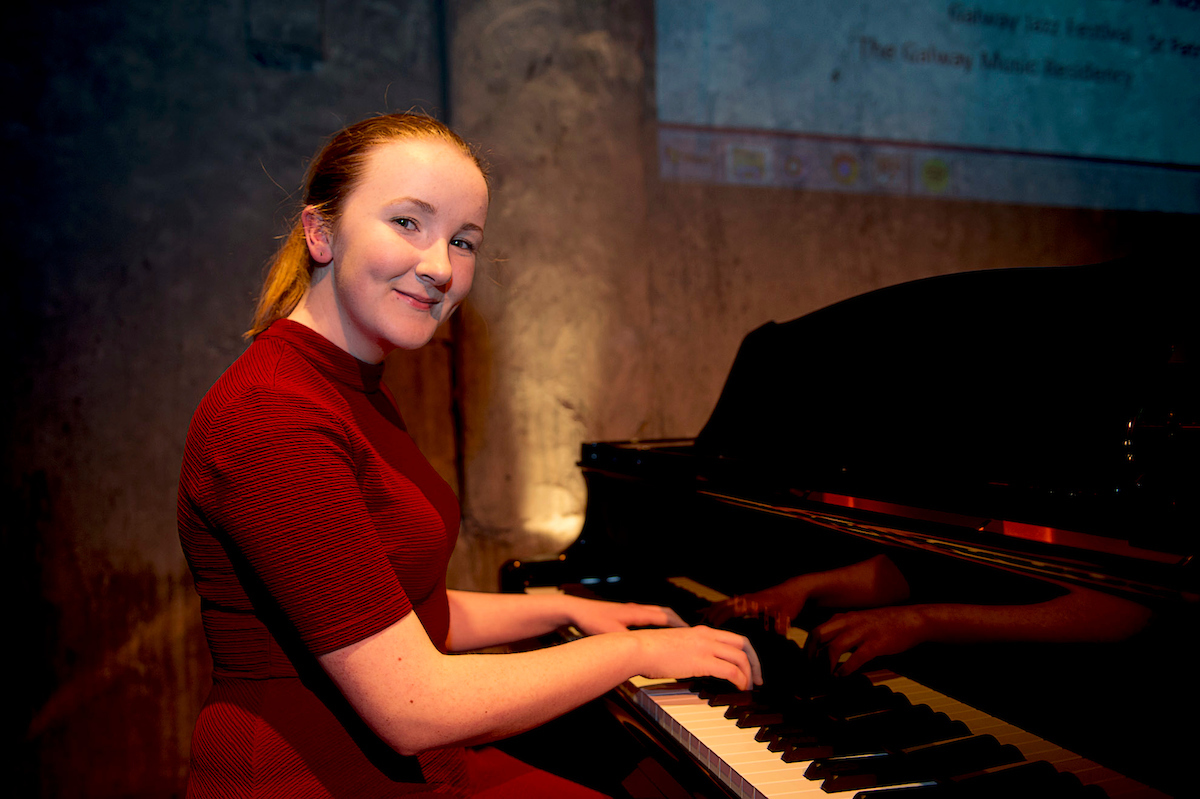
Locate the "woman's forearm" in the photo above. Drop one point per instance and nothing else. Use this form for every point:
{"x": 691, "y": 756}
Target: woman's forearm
{"x": 479, "y": 620}
{"x": 417, "y": 698}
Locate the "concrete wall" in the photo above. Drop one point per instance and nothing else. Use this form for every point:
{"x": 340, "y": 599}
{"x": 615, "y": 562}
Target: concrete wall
{"x": 149, "y": 151}
{"x": 617, "y": 301}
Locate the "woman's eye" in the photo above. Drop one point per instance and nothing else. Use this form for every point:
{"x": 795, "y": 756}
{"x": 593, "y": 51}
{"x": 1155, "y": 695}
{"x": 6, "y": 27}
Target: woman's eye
{"x": 405, "y": 222}
{"x": 463, "y": 244}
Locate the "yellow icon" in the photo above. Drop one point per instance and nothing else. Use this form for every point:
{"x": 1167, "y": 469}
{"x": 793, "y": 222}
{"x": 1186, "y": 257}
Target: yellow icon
{"x": 748, "y": 164}
{"x": 935, "y": 175}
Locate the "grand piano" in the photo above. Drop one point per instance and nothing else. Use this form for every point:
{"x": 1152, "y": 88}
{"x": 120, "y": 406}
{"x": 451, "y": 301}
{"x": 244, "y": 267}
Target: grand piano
{"x": 1003, "y": 435}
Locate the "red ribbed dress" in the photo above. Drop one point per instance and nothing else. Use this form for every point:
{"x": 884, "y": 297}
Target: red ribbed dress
{"x": 310, "y": 521}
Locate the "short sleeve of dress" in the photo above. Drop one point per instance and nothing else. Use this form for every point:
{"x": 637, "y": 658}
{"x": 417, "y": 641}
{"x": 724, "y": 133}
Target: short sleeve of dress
{"x": 280, "y": 477}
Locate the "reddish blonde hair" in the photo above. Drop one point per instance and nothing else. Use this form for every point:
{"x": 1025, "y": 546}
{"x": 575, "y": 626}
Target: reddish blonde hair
{"x": 331, "y": 177}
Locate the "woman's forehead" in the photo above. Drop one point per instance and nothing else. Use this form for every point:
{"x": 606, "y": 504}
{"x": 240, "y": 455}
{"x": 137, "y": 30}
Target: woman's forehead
{"x": 436, "y": 172}
{"x": 422, "y": 158}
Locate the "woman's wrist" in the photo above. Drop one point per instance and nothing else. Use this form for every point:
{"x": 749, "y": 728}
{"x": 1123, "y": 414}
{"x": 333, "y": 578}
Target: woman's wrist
{"x": 567, "y": 610}
{"x": 628, "y": 648}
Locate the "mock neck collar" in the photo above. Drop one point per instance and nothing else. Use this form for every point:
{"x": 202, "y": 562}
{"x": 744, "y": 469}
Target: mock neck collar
{"x": 327, "y": 356}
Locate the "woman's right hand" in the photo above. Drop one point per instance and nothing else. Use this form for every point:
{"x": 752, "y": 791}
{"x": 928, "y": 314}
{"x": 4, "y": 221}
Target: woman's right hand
{"x": 681, "y": 652}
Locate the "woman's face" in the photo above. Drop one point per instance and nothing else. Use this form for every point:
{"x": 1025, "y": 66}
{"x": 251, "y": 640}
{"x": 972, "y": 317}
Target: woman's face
{"x": 403, "y": 251}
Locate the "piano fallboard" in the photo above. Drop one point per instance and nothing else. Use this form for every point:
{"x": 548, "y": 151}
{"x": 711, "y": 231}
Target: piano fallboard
{"x": 970, "y": 529}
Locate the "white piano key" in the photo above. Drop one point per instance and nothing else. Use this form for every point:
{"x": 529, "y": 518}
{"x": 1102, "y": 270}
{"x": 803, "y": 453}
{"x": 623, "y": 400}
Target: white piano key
{"x": 728, "y": 751}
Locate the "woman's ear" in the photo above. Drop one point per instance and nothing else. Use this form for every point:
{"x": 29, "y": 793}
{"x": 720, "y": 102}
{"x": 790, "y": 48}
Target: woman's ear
{"x": 316, "y": 233}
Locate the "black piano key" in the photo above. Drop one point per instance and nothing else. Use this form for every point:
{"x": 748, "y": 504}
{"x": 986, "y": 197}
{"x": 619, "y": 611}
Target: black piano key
{"x": 826, "y": 768}
{"x": 734, "y": 706}
{"x": 777, "y": 736}
{"x": 915, "y": 764}
{"x": 896, "y": 729}
{"x": 928, "y": 790}
{"x": 892, "y": 729}
{"x": 959, "y": 756}
{"x": 755, "y": 719}
{"x": 833, "y": 686}
{"x": 841, "y": 705}
{"x": 1028, "y": 780}
{"x": 1022, "y": 779}
{"x": 708, "y": 687}
{"x": 730, "y": 699}
{"x": 1033, "y": 780}
{"x": 797, "y": 752}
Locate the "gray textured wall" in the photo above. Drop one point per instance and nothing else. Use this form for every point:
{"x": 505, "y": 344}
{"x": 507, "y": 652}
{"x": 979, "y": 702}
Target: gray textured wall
{"x": 149, "y": 151}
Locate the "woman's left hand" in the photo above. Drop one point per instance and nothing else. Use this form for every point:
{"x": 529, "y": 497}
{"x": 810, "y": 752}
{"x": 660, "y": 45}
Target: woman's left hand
{"x": 593, "y": 617}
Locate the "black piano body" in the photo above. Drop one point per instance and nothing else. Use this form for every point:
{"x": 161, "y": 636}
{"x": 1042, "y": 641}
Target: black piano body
{"x": 1002, "y": 433}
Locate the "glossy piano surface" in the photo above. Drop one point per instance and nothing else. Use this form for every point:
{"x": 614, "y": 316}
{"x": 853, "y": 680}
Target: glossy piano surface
{"x": 1005, "y": 433}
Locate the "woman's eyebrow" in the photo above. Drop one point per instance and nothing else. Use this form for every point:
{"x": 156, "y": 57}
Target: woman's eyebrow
{"x": 424, "y": 206}
{"x": 431, "y": 210}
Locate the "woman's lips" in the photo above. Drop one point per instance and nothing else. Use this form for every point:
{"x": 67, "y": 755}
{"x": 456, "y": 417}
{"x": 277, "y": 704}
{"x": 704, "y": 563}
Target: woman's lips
{"x": 418, "y": 301}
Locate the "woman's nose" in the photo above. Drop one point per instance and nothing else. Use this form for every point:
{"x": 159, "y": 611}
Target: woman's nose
{"x": 435, "y": 268}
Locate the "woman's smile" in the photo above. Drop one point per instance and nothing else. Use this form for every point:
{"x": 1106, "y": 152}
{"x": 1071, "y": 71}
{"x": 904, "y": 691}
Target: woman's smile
{"x": 421, "y": 302}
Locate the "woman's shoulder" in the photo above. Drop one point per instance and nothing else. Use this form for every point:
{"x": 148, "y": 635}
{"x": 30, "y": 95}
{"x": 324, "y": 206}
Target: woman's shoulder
{"x": 268, "y": 366}
{"x": 270, "y": 383}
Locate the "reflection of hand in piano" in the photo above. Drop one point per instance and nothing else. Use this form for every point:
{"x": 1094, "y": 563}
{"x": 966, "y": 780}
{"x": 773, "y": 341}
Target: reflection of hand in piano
{"x": 776, "y": 606}
{"x": 855, "y": 638}
{"x": 1080, "y": 615}
{"x": 867, "y": 634}
{"x": 871, "y": 583}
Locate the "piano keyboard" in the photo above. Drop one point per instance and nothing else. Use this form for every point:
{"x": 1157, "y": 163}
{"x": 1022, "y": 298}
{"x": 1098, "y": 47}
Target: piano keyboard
{"x": 751, "y": 771}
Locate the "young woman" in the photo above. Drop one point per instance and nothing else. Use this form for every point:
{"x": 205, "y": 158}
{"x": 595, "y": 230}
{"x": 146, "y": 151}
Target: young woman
{"x": 318, "y": 535}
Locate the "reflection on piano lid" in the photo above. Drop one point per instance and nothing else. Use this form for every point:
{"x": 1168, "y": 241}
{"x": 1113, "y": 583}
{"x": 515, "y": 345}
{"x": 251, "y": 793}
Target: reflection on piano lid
{"x": 1060, "y": 399}
{"x": 1035, "y": 424}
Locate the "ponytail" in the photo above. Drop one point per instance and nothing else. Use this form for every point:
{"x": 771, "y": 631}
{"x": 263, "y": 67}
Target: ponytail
{"x": 287, "y": 280}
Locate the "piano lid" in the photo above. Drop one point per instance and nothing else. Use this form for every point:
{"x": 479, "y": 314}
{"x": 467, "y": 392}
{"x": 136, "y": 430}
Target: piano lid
{"x": 1059, "y": 405}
